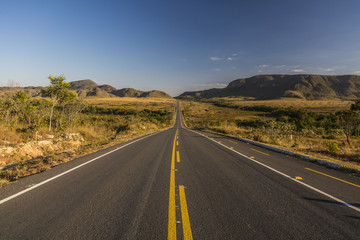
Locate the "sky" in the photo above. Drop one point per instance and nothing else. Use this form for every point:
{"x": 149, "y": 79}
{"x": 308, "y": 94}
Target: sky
{"x": 175, "y": 46}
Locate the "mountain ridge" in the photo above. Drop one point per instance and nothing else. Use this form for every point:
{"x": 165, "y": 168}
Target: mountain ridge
{"x": 89, "y": 88}
{"x": 274, "y": 86}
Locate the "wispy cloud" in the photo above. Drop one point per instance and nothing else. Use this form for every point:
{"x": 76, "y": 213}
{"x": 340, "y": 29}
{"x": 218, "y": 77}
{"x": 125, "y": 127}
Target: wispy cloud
{"x": 235, "y": 54}
{"x": 263, "y": 67}
{"x": 357, "y": 72}
{"x": 211, "y": 85}
{"x": 215, "y": 58}
{"x": 328, "y": 69}
{"x": 281, "y": 66}
{"x": 298, "y": 70}
{"x": 216, "y": 69}
{"x": 229, "y": 58}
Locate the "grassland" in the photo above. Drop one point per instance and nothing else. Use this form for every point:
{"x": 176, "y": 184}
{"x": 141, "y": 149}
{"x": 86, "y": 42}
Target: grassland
{"x": 133, "y": 103}
{"x": 239, "y": 117}
{"x": 318, "y": 106}
{"x": 102, "y": 122}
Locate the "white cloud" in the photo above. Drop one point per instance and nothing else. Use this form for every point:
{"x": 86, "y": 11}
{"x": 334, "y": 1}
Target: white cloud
{"x": 298, "y": 70}
{"x": 216, "y": 69}
{"x": 281, "y": 66}
{"x": 263, "y": 66}
{"x": 328, "y": 69}
{"x": 357, "y": 72}
{"x": 229, "y": 58}
{"x": 235, "y": 54}
{"x": 215, "y": 58}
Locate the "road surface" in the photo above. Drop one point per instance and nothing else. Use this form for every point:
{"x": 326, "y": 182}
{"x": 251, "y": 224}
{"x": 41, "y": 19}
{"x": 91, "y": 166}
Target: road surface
{"x": 183, "y": 184}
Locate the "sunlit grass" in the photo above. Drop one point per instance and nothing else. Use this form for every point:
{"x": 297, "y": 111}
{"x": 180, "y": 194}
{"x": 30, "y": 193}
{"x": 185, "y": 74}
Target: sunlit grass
{"x": 133, "y": 103}
{"x": 320, "y": 106}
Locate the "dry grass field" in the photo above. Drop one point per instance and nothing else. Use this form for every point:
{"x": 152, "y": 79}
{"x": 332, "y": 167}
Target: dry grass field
{"x": 206, "y": 114}
{"x": 133, "y": 103}
{"x": 319, "y": 106}
{"x": 206, "y": 111}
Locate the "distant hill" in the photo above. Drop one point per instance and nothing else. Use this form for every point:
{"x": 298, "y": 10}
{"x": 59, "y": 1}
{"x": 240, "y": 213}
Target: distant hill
{"x": 83, "y": 84}
{"x": 131, "y": 92}
{"x": 155, "y": 94}
{"x": 127, "y": 92}
{"x": 304, "y": 86}
{"x": 88, "y": 88}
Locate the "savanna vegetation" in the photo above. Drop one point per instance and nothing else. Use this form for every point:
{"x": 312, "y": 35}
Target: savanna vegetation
{"x": 60, "y": 126}
{"x": 322, "y": 129}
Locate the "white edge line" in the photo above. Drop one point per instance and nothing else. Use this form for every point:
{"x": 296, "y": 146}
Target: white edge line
{"x": 72, "y": 169}
{"x": 285, "y": 175}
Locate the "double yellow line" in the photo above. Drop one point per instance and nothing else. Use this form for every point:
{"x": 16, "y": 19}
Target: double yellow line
{"x": 172, "y": 210}
{"x": 183, "y": 205}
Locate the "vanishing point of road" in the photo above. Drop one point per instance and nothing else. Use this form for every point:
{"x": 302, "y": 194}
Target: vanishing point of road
{"x": 183, "y": 184}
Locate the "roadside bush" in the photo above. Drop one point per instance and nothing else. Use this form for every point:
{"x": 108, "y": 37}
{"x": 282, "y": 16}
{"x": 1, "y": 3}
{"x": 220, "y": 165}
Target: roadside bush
{"x": 257, "y": 123}
{"x": 257, "y": 138}
{"x": 4, "y": 182}
{"x": 332, "y": 147}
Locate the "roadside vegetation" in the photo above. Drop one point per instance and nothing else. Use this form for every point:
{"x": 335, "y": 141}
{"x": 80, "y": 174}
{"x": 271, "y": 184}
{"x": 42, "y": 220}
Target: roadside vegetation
{"x": 326, "y": 130}
{"x": 60, "y": 126}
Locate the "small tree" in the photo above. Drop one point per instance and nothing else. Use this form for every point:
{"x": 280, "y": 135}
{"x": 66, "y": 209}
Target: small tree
{"x": 58, "y": 92}
{"x": 19, "y": 104}
{"x": 355, "y": 106}
{"x": 349, "y": 122}
{"x": 72, "y": 109}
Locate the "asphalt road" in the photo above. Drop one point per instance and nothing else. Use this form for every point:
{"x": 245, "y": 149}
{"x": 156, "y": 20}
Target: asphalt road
{"x": 182, "y": 184}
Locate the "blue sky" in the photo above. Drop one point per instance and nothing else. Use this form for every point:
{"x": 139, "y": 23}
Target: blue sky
{"x": 175, "y": 46}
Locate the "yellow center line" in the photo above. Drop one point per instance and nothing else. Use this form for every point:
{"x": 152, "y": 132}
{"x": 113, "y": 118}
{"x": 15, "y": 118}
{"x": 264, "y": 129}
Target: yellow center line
{"x": 260, "y": 152}
{"x": 185, "y": 214}
{"x": 177, "y": 156}
{"x": 177, "y": 143}
{"x": 333, "y": 177}
{"x": 172, "y": 210}
{"x": 232, "y": 141}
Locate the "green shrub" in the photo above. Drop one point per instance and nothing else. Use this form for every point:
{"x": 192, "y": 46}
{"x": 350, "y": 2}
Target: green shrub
{"x": 332, "y": 146}
{"x": 257, "y": 138}
{"x": 257, "y": 123}
{"x": 4, "y": 182}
